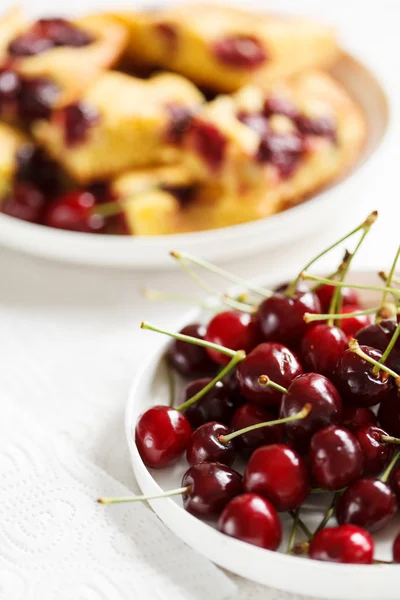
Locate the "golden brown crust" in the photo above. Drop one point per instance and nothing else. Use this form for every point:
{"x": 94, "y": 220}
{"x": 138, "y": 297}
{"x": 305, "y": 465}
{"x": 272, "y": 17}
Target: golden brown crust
{"x": 11, "y": 139}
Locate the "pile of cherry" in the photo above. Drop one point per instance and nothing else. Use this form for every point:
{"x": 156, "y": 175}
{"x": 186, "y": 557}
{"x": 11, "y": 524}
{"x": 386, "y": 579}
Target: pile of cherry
{"x": 304, "y": 385}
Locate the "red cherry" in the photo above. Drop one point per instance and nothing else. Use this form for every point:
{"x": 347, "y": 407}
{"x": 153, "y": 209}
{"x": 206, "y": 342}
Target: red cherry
{"x": 276, "y": 105}
{"x": 378, "y": 335}
{"x": 321, "y": 126}
{"x": 321, "y": 348}
{"x": 274, "y": 360}
{"x": 351, "y": 326}
{"x": 252, "y": 519}
{"x": 326, "y": 406}
{"x": 76, "y": 120}
{"x": 231, "y": 329}
{"x": 239, "y": 51}
{"x": 161, "y": 435}
{"x": 377, "y": 454}
{"x": 396, "y": 549}
{"x": 207, "y": 141}
{"x": 251, "y": 414}
{"x": 205, "y": 445}
{"x": 389, "y": 413}
{"x": 37, "y": 98}
{"x": 212, "y": 486}
{"x": 74, "y": 211}
{"x": 394, "y": 481}
{"x": 357, "y": 416}
{"x": 336, "y": 457}
{"x": 369, "y": 503}
{"x": 216, "y": 405}
{"x": 188, "y": 359}
{"x": 349, "y": 296}
{"x": 344, "y": 544}
{"x": 46, "y": 34}
{"x": 283, "y": 150}
{"x": 26, "y": 202}
{"x": 278, "y": 473}
{"x": 179, "y": 124}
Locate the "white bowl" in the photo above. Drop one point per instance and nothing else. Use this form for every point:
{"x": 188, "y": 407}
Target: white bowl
{"x": 289, "y": 573}
{"x": 229, "y": 242}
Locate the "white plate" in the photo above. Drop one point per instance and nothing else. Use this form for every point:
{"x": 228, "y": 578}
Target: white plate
{"x": 293, "y": 574}
{"x": 229, "y": 242}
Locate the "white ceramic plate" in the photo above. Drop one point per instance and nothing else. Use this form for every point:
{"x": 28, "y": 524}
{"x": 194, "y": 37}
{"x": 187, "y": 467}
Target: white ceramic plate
{"x": 229, "y": 242}
{"x": 293, "y": 574}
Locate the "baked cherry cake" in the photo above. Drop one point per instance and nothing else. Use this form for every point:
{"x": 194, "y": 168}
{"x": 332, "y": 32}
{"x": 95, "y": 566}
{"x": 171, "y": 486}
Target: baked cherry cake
{"x": 244, "y": 121}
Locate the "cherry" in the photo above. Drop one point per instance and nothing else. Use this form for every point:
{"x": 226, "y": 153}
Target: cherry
{"x": 278, "y": 473}
{"x": 251, "y": 414}
{"x": 281, "y": 319}
{"x": 46, "y": 34}
{"x": 76, "y": 120}
{"x": 349, "y": 297}
{"x": 394, "y": 481}
{"x": 36, "y": 98}
{"x": 325, "y": 402}
{"x": 205, "y": 445}
{"x": 321, "y": 348}
{"x": 25, "y": 202}
{"x": 74, "y": 211}
{"x": 35, "y": 167}
{"x": 396, "y": 549}
{"x": 188, "y": 359}
{"x": 301, "y": 286}
{"x": 321, "y": 126}
{"x": 277, "y": 105}
{"x": 352, "y": 325}
{"x": 336, "y": 457}
{"x": 283, "y": 150}
{"x": 239, "y": 51}
{"x": 343, "y": 544}
{"x": 179, "y": 124}
{"x": 378, "y": 335}
{"x": 232, "y": 386}
{"x": 10, "y": 86}
{"x": 252, "y": 519}
{"x": 356, "y": 380}
{"x": 209, "y": 142}
{"x": 369, "y": 503}
{"x": 231, "y": 329}
{"x": 215, "y": 405}
{"x": 389, "y": 413}
{"x": 255, "y": 121}
{"x": 161, "y": 435}
{"x": 211, "y": 486}
{"x": 277, "y": 362}
{"x": 357, "y": 416}
{"x": 377, "y": 453}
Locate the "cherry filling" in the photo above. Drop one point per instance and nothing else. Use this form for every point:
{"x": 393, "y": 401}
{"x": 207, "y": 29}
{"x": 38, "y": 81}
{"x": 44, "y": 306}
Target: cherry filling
{"x": 36, "y": 168}
{"x": 10, "y": 86}
{"x": 240, "y": 51}
{"x": 280, "y": 106}
{"x": 208, "y": 142}
{"x": 180, "y": 120}
{"x": 169, "y": 34}
{"x": 46, "y": 34}
{"x": 183, "y": 193}
{"x": 74, "y": 211}
{"x": 321, "y": 126}
{"x": 26, "y": 98}
{"x": 25, "y": 202}
{"x": 283, "y": 150}
{"x": 255, "y": 121}
{"x": 76, "y": 120}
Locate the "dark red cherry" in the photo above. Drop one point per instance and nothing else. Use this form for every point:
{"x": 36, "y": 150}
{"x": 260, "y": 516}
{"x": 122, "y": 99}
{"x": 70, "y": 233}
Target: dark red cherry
{"x": 281, "y": 319}
{"x": 209, "y": 142}
{"x": 239, "y": 51}
{"x": 326, "y": 406}
{"x": 277, "y": 105}
{"x": 343, "y": 544}
{"x": 320, "y": 126}
{"x": 377, "y": 454}
{"x": 37, "y": 98}
{"x": 351, "y": 326}
{"x": 251, "y": 414}
{"x": 161, "y": 435}
{"x": 205, "y": 445}
{"x": 301, "y": 286}
{"x": 369, "y": 503}
{"x": 188, "y": 359}
{"x": 10, "y": 86}
{"x": 252, "y": 519}
{"x": 25, "y": 202}
{"x": 215, "y": 405}
{"x": 394, "y": 481}
{"x": 336, "y": 457}
{"x": 255, "y": 121}
{"x": 283, "y": 150}
{"x": 74, "y": 211}
{"x": 212, "y": 486}
{"x": 180, "y": 118}
{"x": 357, "y": 416}
{"x": 321, "y": 348}
{"x": 271, "y": 359}
{"x": 278, "y": 473}
{"x": 389, "y": 413}
{"x": 356, "y": 380}
{"x": 234, "y": 330}
{"x": 378, "y": 335}
{"x": 76, "y": 121}
{"x": 232, "y": 386}
{"x": 396, "y": 549}
{"x": 46, "y": 34}
{"x": 35, "y": 167}
{"x": 349, "y": 296}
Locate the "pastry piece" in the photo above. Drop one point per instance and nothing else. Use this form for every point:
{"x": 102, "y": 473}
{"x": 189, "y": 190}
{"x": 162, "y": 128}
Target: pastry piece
{"x": 119, "y": 123}
{"x": 224, "y": 48}
{"x": 11, "y": 140}
{"x": 288, "y": 142}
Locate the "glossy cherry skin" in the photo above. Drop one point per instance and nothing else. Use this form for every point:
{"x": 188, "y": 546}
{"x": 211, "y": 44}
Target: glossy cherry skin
{"x": 25, "y": 202}
{"x": 281, "y": 319}
{"x": 326, "y": 406}
{"x": 377, "y": 454}
{"x": 356, "y": 381}
{"x": 389, "y": 413}
{"x": 278, "y": 473}
{"x": 205, "y": 445}
{"x": 378, "y": 335}
{"x": 251, "y": 414}
{"x": 343, "y": 544}
{"x": 274, "y": 360}
{"x": 369, "y": 503}
{"x": 394, "y": 480}
{"x": 336, "y": 458}
{"x": 215, "y": 405}
{"x": 188, "y": 359}
{"x": 233, "y": 330}
{"x": 321, "y": 348}
{"x": 252, "y": 519}
{"x": 325, "y": 293}
{"x": 162, "y": 434}
{"x": 353, "y": 325}
{"x": 212, "y": 486}
{"x": 357, "y": 416}
{"x": 74, "y": 212}
{"x": 396, "y": 549}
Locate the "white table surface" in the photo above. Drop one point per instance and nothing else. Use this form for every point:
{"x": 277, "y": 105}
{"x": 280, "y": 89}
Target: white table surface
{"x": 70, "y": 335}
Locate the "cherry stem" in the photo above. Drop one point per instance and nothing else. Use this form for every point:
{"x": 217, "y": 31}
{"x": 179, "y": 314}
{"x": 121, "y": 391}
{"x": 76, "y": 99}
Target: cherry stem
{"x": 301, "y": 548}
{"x": 292, "y": 539}
{"x": 329, "y": 513}
{"x": 265, "y": 381}
{"x": 310, "y": 317}
{"x": 176, "y": 492}
{"x": 364, "y": 225}
{"x": 158, "y": 295}
{"x": 302, "y": 414}
{"x": 323, "y": 491}
{"x": 108, "y": 209}
{"x": 331, "y": 276}
{"x": 356, "y": 286}
{"x": 183, "y": 256}
{"x": 190, "y": 339}
{"x": 390, "y": 275}
{"x": 389, "y": 439}
{"x": 355, "y": 347}
{"x": 238, "y": 304}
{"x": 389, "y": 469}
{"x": 388, "y": 349}
{"x": 238, "y": 356}
{"x": 302, "y": 525}
{"x": 171, "y": 382}
{"x": 385, "y": 277}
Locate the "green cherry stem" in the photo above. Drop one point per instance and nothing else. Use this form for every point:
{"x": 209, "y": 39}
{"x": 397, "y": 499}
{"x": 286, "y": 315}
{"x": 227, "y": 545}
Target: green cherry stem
{"x": 356, "y": 286}
{"x": 388, "y": 349}
{"x": 385, "y": 476}
{"x": 238, "y": 356}
{"x": 293, "y": 533}
{"x": 302, "y": 525}
{"x": 388, "y": 311}
{"x": 264, "y": 380}
{"x": 389, "y": 439}
{"x": 239, "y": 305}
{"x": 108, "y": 209}
{"x": 329, "y": 513}
{"x": 390, "y": 276}
{"x": 176, "y": 492}
{"x": 160, "y": 296}
{"x": 302, "y": 414}
{"x": 355, "y": 347}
